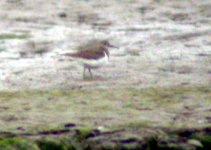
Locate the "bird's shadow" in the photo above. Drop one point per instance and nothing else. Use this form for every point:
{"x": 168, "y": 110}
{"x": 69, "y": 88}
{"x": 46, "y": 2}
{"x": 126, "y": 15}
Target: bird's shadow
{"x": 94, "y": 78}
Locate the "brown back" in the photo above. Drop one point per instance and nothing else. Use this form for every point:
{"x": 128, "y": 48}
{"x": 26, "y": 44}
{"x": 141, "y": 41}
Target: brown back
{"x": 92, "y": 50}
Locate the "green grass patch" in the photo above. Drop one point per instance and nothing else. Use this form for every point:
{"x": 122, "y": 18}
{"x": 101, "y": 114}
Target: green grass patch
{"x": 17, "y": 144}
{"x": 49, "y": 144}
{"x": 10, "y": 36}
{"x": 119, "y": 108}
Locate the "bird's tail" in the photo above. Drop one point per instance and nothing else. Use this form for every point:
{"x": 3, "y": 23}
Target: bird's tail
{"x": 66, "y": 56}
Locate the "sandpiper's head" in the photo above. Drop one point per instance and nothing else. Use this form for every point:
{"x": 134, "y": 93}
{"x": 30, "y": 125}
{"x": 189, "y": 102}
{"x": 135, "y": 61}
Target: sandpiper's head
{"x": 107, "y": 44}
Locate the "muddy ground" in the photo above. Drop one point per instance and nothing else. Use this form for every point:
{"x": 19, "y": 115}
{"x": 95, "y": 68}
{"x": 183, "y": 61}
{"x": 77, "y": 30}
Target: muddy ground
{"x": 161, "y": 43}
{"x": 164, "y": 55}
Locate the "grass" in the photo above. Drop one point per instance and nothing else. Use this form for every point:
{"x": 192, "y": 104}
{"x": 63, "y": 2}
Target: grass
{"x": 17, "y": 143}
{"x": 38, "y": 108}
{"x": 11, "y": 36}
{"x": 136, "y": 113}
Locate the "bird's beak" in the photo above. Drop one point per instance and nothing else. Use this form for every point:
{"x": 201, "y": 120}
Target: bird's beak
{"x": 113, "y": 46}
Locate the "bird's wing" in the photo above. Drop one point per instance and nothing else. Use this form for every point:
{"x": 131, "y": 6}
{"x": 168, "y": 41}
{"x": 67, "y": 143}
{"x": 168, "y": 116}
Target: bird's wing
{"x": 88, "y": 54}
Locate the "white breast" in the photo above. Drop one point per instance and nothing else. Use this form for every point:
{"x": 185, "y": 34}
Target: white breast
{"x": 95, "y": 63}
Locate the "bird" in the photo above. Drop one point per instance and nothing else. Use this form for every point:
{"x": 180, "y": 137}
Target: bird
{"x": 92, "y": 55}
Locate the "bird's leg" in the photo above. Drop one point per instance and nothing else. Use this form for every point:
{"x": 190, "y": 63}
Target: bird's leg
{"x": 84, "y": 73}
{"x": 90, "y": 72}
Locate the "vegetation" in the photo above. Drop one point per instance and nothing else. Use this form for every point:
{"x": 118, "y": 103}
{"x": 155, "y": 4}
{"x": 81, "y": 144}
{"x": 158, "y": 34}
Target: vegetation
{"x": 10, "y": 36}
{"x": 152, "y": 118}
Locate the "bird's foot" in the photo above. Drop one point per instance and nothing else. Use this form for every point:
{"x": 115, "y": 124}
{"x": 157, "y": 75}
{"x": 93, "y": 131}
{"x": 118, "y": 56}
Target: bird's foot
{"x": 88, "y": 78}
